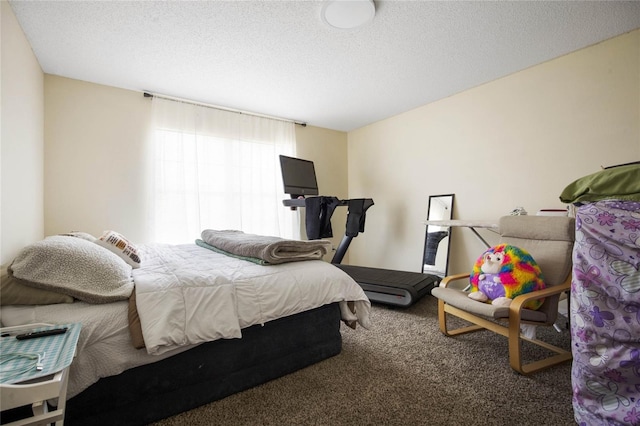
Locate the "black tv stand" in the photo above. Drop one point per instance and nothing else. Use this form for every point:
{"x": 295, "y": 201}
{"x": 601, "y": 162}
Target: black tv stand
{"x": 391, "y": 287}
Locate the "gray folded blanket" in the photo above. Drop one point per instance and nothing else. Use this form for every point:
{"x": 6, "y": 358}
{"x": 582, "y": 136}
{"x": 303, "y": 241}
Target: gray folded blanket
{"x": 272, "y": 250}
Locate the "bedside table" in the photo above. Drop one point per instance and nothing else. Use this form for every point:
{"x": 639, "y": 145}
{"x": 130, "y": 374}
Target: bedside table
{"x": 24, "y": 383}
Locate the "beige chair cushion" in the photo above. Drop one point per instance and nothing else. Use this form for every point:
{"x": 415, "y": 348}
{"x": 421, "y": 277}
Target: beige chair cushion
{"x": 459, "y": 299}
{"x": 555, "y": 228}
{"x": 14, "y": 291}
{"x": 549, "y": 240}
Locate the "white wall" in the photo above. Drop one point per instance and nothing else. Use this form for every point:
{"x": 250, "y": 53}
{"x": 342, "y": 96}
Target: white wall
{"x": 21, "y": 153}
{"x": 516, "y": 141}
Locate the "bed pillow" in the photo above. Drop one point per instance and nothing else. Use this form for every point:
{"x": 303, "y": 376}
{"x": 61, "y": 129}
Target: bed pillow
{"x": 122, "y": 247}
{"x": 75, "y": 267}
{"x": 14, "y": 291}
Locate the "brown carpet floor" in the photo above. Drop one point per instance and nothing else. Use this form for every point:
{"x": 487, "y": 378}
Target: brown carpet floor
{"x": 405, "y": 372}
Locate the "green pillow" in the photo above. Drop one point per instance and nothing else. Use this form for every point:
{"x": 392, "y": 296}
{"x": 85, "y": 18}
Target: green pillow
{"x": 615, "y": 183}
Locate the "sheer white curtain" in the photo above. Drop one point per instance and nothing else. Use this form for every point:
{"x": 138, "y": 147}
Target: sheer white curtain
{"x": 216, "y": 169}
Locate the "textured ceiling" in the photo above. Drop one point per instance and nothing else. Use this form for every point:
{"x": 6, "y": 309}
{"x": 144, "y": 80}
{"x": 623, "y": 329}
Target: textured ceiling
{"x": 279, "y": 58}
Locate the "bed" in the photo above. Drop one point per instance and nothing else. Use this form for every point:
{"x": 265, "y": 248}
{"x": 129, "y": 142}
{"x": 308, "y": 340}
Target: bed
{"x": 605, "y": 297}
{"x": 193, "y": 324}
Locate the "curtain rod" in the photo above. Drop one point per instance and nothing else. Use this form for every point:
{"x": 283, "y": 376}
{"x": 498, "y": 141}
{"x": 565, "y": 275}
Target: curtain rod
{"x": 184, "y": 101}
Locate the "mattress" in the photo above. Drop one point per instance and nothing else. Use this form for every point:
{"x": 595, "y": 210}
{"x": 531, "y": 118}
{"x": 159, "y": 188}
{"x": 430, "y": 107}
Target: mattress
{"x": 104, "y": 347}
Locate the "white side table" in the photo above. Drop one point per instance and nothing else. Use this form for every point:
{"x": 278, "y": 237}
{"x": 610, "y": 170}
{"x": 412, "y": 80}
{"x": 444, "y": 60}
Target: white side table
{"x": 38, "y": 390}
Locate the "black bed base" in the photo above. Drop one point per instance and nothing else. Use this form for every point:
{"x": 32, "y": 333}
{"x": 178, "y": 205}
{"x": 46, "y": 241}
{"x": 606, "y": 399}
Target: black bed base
{"x": 209, "y": 372}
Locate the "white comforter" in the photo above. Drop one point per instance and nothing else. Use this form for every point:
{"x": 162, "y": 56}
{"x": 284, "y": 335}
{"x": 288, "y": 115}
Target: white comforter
{"x": 187, "y": 294}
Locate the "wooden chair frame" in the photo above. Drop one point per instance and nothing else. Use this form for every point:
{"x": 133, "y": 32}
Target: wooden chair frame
{"x": 511, "y": 330}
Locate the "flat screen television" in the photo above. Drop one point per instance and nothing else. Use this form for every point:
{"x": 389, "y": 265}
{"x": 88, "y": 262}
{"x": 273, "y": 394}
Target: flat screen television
{"x": 298, "y": 176}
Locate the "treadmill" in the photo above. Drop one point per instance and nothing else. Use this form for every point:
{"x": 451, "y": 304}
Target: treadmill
{"x": 387, "y": 286}
{"x": 399, "y": 288}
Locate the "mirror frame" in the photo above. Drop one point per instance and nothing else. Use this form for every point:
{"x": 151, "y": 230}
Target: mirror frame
{"x": 430, "y": 216}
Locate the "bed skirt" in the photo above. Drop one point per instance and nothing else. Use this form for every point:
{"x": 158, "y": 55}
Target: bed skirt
{"x": 209, "y": 372}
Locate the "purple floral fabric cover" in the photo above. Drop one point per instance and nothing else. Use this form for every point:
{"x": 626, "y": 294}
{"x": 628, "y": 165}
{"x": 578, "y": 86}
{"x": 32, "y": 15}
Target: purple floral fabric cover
{"x": 605, "y": 314}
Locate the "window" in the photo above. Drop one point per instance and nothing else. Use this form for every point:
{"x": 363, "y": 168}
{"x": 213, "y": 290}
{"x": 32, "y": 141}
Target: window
{"x": 216, "y": 169}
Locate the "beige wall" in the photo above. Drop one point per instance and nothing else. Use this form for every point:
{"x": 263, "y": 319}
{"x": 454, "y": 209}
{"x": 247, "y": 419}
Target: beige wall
{"x": 328, "y": 151}
{"x": 516, "y": 141}
{"x": 21, "y": 154}
{"x": 95, "y": 158}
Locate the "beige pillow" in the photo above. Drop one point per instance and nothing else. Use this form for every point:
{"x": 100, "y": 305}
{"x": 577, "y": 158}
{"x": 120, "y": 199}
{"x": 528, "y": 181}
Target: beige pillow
{"x": 14, "y": 291}
{"x": 135, "y": 327}
{"x": 119, "y": 245}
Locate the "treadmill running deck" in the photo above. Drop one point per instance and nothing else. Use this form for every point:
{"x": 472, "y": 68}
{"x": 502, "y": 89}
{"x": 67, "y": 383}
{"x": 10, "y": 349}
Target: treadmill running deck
{"x": 401, "y": 288}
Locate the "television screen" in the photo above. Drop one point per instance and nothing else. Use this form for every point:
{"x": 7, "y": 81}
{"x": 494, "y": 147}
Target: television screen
{"x": 298, "y": 176}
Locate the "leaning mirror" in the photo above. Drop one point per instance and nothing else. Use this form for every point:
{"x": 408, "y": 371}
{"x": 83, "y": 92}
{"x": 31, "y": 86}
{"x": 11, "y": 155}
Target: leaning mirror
{"x": 437, "y": 237}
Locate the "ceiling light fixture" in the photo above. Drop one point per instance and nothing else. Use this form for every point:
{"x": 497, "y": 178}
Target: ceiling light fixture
{"x": 347, "y": 14}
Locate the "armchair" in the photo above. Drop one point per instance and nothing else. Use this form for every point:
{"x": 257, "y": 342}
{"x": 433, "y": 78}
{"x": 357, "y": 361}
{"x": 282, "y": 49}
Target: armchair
{"x": 549, "y": 239}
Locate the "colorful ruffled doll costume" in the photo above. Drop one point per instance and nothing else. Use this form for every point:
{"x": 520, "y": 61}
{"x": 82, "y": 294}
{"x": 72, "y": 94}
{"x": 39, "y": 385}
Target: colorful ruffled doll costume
{"x": 504, "y": 272}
